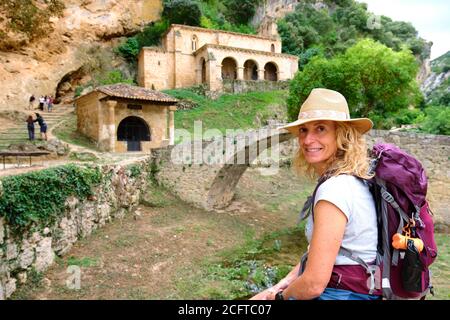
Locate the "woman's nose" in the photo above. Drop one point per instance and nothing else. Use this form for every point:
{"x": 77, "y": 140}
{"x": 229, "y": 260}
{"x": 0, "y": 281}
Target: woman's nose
{"x": 307, "y": 138}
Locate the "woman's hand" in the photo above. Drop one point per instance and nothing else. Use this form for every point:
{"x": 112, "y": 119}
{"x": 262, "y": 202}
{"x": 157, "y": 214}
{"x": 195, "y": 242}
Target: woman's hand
{"x": 269, "y": 294}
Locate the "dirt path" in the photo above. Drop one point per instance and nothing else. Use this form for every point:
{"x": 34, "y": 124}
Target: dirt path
{"x": 148, "y": 257}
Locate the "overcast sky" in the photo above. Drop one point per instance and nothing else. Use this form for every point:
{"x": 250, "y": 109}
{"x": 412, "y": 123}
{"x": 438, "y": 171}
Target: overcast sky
{"x": 431, "y": 18}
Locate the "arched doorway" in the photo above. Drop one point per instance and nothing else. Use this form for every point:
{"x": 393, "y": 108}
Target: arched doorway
{"x": 229, "y": 69}
{"x": 203, "y": 70}
{"x": 250, "y": 70}
{"x": 133, "y": 130}
{"x": 270, "y": 72}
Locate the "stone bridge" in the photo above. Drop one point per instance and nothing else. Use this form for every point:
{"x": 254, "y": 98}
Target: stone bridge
{"x": 206, "y": 172}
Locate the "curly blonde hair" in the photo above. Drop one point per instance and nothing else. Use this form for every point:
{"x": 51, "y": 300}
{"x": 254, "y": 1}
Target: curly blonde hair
{"x": 350, "y": 158}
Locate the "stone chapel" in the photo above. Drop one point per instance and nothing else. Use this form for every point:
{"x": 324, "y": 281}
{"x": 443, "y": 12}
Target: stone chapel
{"x": 192, "y": 55}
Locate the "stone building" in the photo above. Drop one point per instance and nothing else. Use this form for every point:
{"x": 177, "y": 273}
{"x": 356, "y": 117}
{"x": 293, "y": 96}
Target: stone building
{"x": 192, "y": 55}
{"x": 123, "y": 118}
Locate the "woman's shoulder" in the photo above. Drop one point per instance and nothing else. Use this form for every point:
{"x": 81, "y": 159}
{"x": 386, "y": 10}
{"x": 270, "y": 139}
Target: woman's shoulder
{"x": 342, "y": 181}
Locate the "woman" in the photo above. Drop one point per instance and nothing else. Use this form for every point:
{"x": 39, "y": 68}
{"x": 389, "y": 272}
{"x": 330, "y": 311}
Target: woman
{"x": 343, "y": 219}
{"x": 42, "y": 125}
{"x": 30, "y": 127}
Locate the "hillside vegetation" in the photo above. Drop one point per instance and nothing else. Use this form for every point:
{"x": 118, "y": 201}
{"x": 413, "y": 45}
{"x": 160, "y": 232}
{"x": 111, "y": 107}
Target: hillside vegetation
{"x": 230, "y": 111}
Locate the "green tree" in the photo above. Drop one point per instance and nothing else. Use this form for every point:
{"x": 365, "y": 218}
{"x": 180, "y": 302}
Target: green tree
{"x": 182, "y": 12}
{"x": 374, "y": 79}
{"x": 437, "y": 120}
{"x": 240, "y": 11}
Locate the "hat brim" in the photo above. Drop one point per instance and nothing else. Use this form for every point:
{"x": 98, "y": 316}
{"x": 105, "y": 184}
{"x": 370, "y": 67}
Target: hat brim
{"x": 363, "y": 125}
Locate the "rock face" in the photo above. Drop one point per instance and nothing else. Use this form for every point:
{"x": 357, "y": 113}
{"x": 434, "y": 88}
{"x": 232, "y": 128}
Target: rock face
{"x": 38, "y": 67}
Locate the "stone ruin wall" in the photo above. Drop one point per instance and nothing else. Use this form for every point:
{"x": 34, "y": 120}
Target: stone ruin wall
{"x": 35, "y": 249}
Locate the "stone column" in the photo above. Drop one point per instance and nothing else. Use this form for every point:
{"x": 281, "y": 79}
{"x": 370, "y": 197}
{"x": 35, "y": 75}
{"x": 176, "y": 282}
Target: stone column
{"x": 260, "y": 74}
{"x": 172, "y": 125}
{"x": 240, "y": 73}
{"x": 110, "y": 122}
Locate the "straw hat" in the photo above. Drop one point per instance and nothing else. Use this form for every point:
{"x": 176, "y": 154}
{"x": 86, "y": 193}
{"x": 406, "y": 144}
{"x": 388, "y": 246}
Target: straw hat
{"x": 325, "y": 104}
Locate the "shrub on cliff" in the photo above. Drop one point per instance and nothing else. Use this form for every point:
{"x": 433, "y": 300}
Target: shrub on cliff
{"x": 182, "y": 12}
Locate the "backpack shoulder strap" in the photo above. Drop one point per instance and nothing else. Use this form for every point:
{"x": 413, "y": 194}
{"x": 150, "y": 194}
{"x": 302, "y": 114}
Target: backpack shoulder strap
{"x": 308, "y": 207}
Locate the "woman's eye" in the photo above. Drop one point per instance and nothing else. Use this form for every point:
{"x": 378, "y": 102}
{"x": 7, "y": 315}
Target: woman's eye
{"x": 302, "y": 130}
{"x": 320, "y": 129}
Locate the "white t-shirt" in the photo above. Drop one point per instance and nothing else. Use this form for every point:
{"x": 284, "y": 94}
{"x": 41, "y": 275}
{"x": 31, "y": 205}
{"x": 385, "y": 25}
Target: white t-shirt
{"x": 354, "y": 199}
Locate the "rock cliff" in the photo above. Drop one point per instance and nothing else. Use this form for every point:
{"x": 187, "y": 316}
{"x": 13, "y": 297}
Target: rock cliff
{"x": 39, "y": 66}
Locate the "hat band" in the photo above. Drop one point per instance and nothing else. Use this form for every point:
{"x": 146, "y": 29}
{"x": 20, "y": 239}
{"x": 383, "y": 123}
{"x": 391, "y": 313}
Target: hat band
{"x": 311, "y": 114}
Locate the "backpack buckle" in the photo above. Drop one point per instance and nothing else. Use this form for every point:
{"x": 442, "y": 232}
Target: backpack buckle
{"x": 387, "y": 196}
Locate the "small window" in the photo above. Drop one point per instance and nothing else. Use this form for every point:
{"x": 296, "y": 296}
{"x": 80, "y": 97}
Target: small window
{"x": 272, "y": 47}
{"x": 134, "y": 106}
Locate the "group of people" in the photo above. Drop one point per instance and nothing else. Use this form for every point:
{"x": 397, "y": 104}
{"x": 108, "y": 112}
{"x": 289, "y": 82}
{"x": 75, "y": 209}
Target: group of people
{"x": 45, "y": 103}
{"x": 42, "y": 124}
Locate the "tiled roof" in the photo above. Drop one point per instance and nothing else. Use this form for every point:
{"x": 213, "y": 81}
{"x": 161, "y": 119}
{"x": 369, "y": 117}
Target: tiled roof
{"x": 127, "y": 91}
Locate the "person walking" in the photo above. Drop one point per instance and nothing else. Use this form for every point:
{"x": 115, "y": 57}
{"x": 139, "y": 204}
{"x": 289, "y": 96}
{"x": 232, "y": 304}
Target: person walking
{"x": 42, "y": 125}
{"x": 31, "y": 102}
{"x": 30, "y": 127}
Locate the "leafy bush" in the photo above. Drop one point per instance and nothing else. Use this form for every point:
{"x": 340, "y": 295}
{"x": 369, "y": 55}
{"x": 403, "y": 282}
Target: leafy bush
{"x": 39, "y": 197}
{"x": 335, "y": 30}
{"x": 239, "y": 12}
{"x": 150, "y": 36}
{"x": 114, "y": 76}
{"x": 129, "y": 49}
{"x": 182, "y": 12}
{"x": 437, "y": 120}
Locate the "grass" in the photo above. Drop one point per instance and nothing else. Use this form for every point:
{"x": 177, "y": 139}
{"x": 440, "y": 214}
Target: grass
{"x": 240, "y": 272}
{"x": 67, "y": 131}
{"x": 230, "y": 111}
{"x": 82, "y": 262}
{"x": 441, "y": 269}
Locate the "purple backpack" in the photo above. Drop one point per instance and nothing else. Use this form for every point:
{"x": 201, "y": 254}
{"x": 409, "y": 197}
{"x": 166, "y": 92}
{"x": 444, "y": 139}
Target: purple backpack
{"x": 399, "y": 190}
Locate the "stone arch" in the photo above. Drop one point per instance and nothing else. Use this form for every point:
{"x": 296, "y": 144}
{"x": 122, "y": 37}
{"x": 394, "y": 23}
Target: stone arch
{"x": 229, "y": 68}
{"x": 133, "y": 130}
{"x": 271, "y": 71}
{"x": 223, "y": 186}
{"x": 179, "y": 167}
{"x": 250, "y": 70}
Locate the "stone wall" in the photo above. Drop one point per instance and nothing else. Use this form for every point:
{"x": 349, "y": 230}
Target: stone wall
{"x": 36, "y": 248}
{"x": 241, "y": 86}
